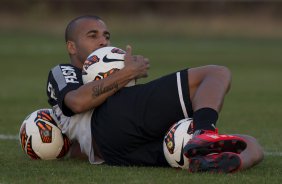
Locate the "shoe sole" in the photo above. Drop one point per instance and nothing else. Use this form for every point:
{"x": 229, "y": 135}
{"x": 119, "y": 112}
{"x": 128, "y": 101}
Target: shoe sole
{"x": 205, "y": 148}
{"x": 224, "y": 163}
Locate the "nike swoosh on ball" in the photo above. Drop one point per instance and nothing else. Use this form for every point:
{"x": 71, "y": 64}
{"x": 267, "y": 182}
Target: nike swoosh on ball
{"x": 181, "y": 161}
{"x": 108, "y": 60}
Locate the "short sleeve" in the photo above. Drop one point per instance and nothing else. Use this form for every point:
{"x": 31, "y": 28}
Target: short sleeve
{"x": 61, "y": 80}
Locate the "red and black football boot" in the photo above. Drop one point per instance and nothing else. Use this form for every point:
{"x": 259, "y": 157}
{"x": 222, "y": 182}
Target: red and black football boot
{"x": 211, "y": 142}
{"x": 225, "y": 162}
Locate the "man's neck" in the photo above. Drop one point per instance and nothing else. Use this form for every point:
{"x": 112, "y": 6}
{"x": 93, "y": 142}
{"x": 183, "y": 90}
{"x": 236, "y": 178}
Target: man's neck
{"x": 77, "y": 64}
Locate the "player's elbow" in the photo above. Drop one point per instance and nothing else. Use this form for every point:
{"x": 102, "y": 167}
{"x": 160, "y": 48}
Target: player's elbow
{"x": 77, "y": 108}
{"x": 74, "y": 103}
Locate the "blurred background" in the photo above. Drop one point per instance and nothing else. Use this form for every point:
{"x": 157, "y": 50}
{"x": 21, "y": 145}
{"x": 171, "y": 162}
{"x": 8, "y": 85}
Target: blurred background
{"x": 244, "y": 35}
{"x": 199, "y": 17}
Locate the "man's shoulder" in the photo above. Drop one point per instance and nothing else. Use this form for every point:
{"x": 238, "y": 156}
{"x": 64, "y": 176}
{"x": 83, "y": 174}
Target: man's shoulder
{"x": 65, "y": 74}
{"x": 62, "y": 65}
{"x": 64, "y": 68}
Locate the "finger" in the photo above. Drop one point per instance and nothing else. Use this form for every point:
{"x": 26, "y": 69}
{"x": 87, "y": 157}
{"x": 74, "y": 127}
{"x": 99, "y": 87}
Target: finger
{"x": 134, "y": 58}
{"x": 146, "y": 60}
{"x": 128, "y": 51}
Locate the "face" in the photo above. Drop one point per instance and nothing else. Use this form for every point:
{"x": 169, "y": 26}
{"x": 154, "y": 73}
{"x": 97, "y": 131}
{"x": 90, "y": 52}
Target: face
{"x": 89, "y": 35}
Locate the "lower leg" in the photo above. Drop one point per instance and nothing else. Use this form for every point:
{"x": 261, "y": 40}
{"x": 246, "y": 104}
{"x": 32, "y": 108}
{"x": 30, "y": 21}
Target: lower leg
{"x": 208, "y": 86}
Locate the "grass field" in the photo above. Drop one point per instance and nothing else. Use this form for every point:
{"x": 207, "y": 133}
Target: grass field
{"x": 252, "y": 107}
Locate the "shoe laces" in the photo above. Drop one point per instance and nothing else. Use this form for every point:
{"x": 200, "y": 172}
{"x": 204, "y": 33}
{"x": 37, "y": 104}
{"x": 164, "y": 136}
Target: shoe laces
{"x": 199, "y": 132}
{"x": 210, "y": 131}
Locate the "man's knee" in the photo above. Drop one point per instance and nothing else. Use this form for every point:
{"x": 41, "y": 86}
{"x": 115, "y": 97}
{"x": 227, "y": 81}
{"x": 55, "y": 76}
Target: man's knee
{"x": 223, "y": 74}
{"x": 216, "y": 76}
{"x": 224, "y": 71}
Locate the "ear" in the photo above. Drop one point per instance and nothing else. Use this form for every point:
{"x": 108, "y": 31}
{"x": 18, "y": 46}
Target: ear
{"x": 71, "y": 47}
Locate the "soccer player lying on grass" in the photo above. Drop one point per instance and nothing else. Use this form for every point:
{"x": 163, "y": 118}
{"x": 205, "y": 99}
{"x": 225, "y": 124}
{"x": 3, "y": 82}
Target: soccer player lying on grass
{"x": 125, "y": 125}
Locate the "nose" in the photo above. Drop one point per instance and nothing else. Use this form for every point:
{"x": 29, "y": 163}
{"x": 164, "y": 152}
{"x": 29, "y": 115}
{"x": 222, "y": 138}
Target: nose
{"x": 103, "y": 42}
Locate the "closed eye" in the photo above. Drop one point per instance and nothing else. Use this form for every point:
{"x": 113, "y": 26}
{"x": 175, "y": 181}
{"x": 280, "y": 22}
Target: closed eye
{"x": 92, "y": 33}
{"x": 107, "y": 35}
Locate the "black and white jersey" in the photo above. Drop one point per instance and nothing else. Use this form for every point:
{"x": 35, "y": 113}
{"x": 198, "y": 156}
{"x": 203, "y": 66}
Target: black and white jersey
{"x": 62, "y": 79}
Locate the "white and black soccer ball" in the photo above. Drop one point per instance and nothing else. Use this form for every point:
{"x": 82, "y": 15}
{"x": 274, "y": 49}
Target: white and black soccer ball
{"x": 175, "y": 140}
{"x": 41, "y": 138}
{"x": 103, "y": 62}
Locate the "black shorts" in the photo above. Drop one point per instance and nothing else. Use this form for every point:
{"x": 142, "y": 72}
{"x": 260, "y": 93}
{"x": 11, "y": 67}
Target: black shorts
{"x": 130, "y": 126}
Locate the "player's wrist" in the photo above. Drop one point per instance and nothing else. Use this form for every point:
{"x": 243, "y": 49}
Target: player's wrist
{"x": 129, "y": 72}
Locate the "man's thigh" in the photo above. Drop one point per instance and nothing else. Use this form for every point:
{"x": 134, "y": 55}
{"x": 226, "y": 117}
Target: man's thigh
{"x": 139, "y": 115}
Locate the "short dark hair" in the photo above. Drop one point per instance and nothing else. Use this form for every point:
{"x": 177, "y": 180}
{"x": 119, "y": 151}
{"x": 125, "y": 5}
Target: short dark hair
{"x": 71, "y": 25}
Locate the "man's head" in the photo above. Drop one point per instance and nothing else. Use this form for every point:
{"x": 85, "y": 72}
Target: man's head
{"x": 83, "y": 35}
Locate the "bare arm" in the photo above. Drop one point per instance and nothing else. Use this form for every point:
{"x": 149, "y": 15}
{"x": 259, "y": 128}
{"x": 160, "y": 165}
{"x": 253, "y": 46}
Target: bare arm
{"x": 94, "y": 93}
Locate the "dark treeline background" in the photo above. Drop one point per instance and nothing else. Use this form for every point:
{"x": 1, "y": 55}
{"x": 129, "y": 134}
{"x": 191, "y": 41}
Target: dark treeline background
{"x": 272, "y": 8}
